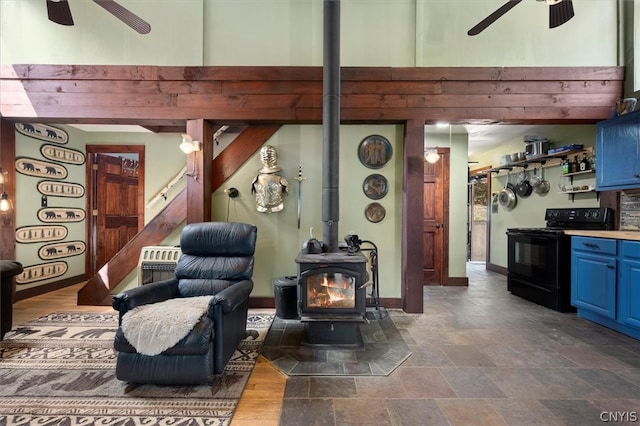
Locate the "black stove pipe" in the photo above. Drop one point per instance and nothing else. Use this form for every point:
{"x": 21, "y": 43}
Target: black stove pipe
{"x": 331, "y": 125}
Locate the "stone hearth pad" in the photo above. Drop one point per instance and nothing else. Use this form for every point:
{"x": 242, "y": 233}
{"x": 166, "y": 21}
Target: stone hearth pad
{"x": 384, "y": 350}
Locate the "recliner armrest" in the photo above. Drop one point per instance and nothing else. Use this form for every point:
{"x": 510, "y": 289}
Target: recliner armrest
{"x": 144, "y": 295}
{"x": 231, "y": 297}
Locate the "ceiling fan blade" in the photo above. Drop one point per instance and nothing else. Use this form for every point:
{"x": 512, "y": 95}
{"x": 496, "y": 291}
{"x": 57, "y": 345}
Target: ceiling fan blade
{"x": 482, "y": 25}
{"x": 59, "y": 12}
{"x": 126, "y": 16}
{"x": 559, "y": 12}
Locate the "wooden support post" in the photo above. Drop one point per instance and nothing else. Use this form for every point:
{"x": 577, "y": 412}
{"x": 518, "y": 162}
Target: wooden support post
{"x": 199, "y": 165}
{"x": 412, "y": 202}
{"x": 7, "y": 161}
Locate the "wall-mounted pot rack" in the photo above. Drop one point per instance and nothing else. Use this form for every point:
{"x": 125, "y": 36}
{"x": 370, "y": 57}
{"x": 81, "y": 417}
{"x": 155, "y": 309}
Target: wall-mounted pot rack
{"x": 543, "y": 160}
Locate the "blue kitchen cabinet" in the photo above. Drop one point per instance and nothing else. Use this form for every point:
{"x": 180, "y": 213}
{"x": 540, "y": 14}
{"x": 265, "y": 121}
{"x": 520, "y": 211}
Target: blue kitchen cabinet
{"x": 593, "y": 275}
{"x": 605, "y": 282}
{"x": 629, "y": 284}
{"x": 618, "y": 153}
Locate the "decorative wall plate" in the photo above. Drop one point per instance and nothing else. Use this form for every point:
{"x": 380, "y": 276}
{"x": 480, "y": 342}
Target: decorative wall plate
{"x": 61, "y": 214}
{"x": 60, "y": 189}
{"x": 42, "y": 271}
{"x": 38, "y": 168}
{"x": 41, "y": 233}
{"x": 43, "y": 132}
{"x": 375, "y": 186}
{"x": 62, "y": 249}
{"x": 374, "y": 151}
{"x": 375, "y": 212}
{"x": 62, "y": 154}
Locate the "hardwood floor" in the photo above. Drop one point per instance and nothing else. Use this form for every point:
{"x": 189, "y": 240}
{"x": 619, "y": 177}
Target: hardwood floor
{"x": 261, "y": 401}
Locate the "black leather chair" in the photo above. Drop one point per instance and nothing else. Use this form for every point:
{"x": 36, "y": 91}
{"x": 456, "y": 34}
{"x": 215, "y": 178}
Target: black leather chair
{"x": 8, "y": 271}
{"x": 217, "y": 259}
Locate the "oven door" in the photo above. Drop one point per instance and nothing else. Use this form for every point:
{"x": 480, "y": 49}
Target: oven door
{"x": 534, "y": 256}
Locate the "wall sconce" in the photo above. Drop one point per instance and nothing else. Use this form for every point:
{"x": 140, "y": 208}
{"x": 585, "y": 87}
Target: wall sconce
{"x": 5, "y": 203}
{"x": 431, "y": 155}
{"x": 188, "y": 145}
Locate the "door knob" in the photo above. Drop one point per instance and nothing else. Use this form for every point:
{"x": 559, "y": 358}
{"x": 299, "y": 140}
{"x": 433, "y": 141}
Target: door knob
{"x": 438, "y": 225}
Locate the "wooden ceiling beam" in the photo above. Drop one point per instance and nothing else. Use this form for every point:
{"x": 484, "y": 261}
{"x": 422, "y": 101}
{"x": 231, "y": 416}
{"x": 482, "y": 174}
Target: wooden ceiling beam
{"x": 166, "y": 97}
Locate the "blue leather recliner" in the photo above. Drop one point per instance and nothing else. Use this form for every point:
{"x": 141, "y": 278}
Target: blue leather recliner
{"x": 217, "y": 259}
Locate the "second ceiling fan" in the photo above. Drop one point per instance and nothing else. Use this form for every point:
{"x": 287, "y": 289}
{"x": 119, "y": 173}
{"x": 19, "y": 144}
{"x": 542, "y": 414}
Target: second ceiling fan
{"x": 59, "y": 12}
{"x": 560, "y": 11}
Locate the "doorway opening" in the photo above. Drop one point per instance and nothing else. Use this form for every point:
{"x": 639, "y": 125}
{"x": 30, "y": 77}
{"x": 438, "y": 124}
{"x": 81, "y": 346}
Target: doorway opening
{"x": 115, "y": 200}
{"x": 477, "y": 232}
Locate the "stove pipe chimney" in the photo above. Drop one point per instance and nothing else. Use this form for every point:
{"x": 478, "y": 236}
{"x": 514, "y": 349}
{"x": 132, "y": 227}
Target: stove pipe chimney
{"x": 330, "y": 124}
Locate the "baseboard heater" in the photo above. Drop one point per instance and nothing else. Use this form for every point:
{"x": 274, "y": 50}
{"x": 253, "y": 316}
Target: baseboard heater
{"x": 157, "y": 263}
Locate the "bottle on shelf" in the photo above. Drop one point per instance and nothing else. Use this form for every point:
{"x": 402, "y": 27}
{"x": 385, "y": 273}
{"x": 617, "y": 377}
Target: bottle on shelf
{"x": 585, "y": 164}
{"x": 575, "y": 165}
{"x": 565, "y": 166}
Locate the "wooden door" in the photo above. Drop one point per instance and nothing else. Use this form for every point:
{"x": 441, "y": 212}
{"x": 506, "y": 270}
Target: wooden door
{"x": 435, "y": 223}
{"x": 116, "y": 202}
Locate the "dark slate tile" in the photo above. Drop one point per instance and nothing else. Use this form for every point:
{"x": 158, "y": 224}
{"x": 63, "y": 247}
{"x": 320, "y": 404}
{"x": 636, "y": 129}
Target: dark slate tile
{"x": 424, "y": 382}
{"x": 307, "y": 412}
{"x": 607, "y": 383}
{"x": 525, "y": 412}
{"x": 471, "y": 383}
{"x": 332, "y": 387}
{"x": 427, "y": 356}
{"x": 380, "y": 387}
{"x": 360, "y": 412}
{"x": 573, "y": 411}
{"x": 466, "y": 412}
{"x": 415, "y": 412}
{"x": 297, "y": 387}
{"x": 467, "y": 356}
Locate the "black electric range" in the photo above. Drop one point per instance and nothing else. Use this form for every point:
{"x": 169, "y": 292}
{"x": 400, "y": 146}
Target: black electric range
{"x": 539, "y": 259}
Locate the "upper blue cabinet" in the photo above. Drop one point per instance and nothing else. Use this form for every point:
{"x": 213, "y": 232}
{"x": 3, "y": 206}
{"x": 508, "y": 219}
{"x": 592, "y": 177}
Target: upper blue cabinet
{"x": 618, "y": 153}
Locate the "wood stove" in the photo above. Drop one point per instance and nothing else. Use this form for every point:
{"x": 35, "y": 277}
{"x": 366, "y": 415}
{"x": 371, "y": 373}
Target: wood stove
{"x": 332, "y": 297}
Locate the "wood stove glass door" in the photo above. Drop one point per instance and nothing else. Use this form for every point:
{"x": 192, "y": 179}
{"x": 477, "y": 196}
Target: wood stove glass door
{"x": 330, "y": 290}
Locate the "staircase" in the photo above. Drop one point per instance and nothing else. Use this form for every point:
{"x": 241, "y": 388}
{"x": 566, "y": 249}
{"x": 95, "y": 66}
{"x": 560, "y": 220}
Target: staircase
{"x": 97, "y": 290}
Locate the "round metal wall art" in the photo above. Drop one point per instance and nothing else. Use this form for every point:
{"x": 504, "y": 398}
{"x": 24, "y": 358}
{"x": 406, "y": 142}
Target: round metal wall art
{"x": 375, "y": 186}
{"x": 375, "y": 212}
{"x": 374, "y": 151}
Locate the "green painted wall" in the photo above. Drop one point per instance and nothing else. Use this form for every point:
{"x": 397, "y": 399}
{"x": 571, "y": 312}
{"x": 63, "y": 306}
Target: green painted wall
{"x": 529, "y": 212}
{"x": 279, "y": 239}
{"x": 289, "y": 32}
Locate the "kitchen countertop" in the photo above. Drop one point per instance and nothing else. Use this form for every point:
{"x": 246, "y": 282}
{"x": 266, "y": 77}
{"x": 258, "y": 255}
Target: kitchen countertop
{"x": 620, "y": 235}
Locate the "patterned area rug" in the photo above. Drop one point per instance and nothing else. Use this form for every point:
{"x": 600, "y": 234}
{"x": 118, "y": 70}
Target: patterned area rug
{"x": 60, "y": 370}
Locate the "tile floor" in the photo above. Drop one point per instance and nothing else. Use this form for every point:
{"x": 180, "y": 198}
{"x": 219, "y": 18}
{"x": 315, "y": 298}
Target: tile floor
{"x": 481, "y": 356}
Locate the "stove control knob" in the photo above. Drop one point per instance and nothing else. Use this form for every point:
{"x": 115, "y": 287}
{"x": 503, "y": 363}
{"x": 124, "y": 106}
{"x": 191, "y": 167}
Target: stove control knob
{"x": 595, "y": 214}
{"x": 587, "y": 214}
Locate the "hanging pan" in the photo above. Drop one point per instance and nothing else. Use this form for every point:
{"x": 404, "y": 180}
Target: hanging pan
{"x": 507, "y": 197}
{"x": 544, "y": 185}
{"x": 523, "y": 187}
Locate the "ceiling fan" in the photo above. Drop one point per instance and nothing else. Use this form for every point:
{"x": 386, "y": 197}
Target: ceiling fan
{"x": 560, "y": 11}
{"x": 60, "y": 13}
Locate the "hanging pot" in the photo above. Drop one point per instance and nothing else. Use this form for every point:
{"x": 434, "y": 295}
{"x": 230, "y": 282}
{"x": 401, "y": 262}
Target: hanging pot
{"x": 535, "y": 180}
{"x": 523, "y": 187}
{"x": 507, "y": 197}
{"x": 544, "y": 186}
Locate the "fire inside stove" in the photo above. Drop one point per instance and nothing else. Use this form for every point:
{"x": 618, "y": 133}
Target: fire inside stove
{"x": 329, "y": 291}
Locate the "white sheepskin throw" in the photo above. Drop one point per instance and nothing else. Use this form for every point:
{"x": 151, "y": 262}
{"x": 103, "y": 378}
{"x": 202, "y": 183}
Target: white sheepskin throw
{"x": 156, "y": 327}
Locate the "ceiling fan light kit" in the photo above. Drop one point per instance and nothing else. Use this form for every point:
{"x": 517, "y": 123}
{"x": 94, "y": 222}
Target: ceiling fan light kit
{"x": 59, "y": 12}
{"x": 560, "y": 11}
